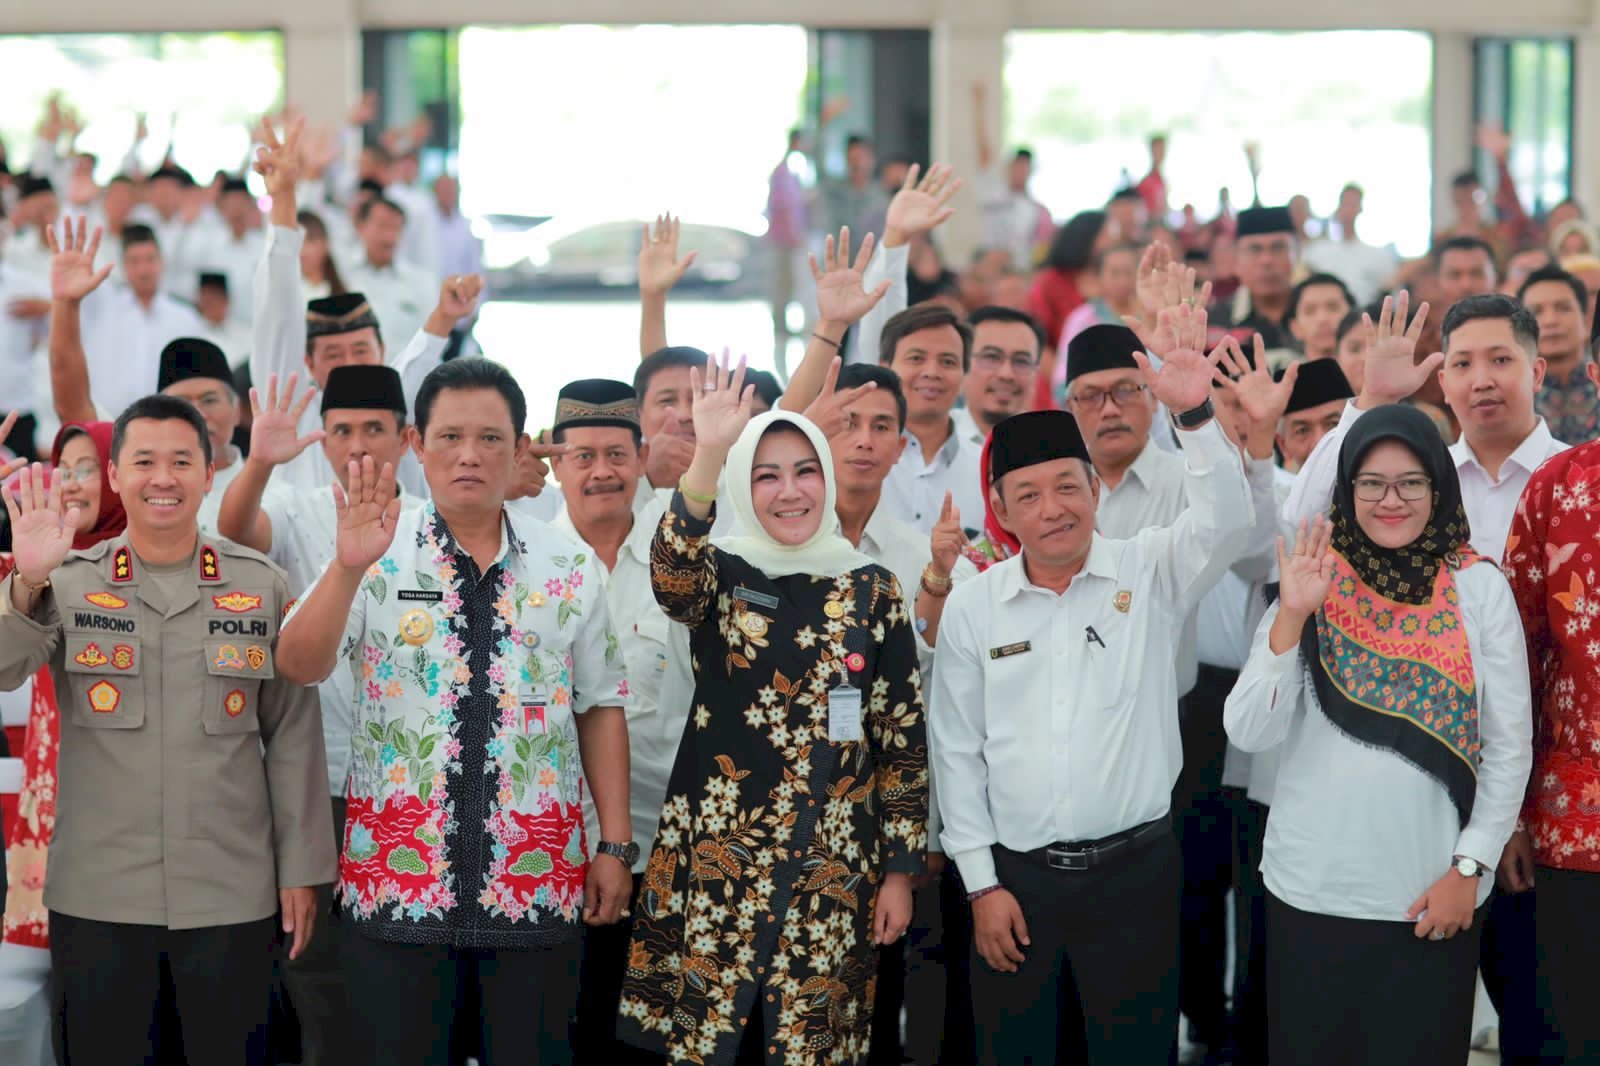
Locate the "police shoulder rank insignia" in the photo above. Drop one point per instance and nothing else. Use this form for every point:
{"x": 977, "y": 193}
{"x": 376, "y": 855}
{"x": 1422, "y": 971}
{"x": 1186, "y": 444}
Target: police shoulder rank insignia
{"x": 91, "y": 656}
{"x": 1122, "y": 600}
{"x": 237, "y": 603}
{"x": 122, "y": 657}
{"x": 209, "y": 568}
{"x": 234, "y": 704}
{"x": 288, "y": 607}
{"x": 106, "y": 600}
{"x": 256, "y": 656}
{"x": 104, "y": 697}
{"x": 122, "y": 565}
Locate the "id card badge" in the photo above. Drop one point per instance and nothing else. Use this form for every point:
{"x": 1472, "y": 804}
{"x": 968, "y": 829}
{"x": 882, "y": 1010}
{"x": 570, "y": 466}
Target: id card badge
{"x": 534, "y": 700}
{"x": 844, "y": 715}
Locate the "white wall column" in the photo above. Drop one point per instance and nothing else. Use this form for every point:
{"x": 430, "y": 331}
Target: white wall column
{"x": 1586, "y": 114}
{"x": 968, "y": 48}
{"x": 1453, "y": 137}
{"x": 322, "y": 58}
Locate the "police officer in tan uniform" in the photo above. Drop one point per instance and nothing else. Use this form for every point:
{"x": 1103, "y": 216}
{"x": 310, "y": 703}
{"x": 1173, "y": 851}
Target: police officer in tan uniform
{"x": 191, "y": 801}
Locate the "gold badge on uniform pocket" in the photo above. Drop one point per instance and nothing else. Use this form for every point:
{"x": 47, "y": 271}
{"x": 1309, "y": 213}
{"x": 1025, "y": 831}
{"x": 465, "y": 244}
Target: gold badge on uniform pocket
{"x": 1122, "y": 600}
{"x": 755, "y": 626}
{"x": 416, "y": 626}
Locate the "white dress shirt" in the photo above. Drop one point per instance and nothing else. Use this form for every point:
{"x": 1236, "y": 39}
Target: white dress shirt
{"x": 967, "y": 428}
{"x": 21, "y": 340}
{"x": 1489, "y": 502}
{"x": 233, "y": 257}
{"x": 122, "y": 342}
{"x": 232, "y": 337}
{"x": 211, "y": 506}
{"x": 1364, "y": 268}
{"x": 419, "y": 241}
{"x": 655, "y": 654}
{"x": 914, "y": 490}
{"x": 1153, "y": 493}
{"x": 401, "y": 295}
{"x": 1356, "y": 831}
{"x": 278, "y": 347}
{"x": 460, "y": 250}
{"x": 1053, "y": 717}
{"x": 305, "y": 531}
{"x": 904, "y": 552}
{"x": 887, "y": 264}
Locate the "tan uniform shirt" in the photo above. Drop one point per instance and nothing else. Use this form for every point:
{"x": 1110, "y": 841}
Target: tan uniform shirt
{"x": 192, "y": 782}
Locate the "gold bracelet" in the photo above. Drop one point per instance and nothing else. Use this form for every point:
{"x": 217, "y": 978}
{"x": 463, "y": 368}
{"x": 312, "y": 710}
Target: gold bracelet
{"x": 29, "y": 585}
{"x": 934, "y": 585}
{"x": 694, "y": 497}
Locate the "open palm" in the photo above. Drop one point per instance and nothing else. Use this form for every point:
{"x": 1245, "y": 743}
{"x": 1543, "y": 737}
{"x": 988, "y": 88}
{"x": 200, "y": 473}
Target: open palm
{"x": 367, "y": 511}
{"x": 1184, "y": 380}
{"x": 841, "y": 297}
{"x": 275, "y": 425}
{"x": 1306, "y": 574}
{"x": 40, "y": 535}
{"x": 72, "y": 272}
{"x": 659, "y": 266}
{"x": 722, "y": 403}
{"x": 1392, "y": 372}
{"x": 921, "y": 206}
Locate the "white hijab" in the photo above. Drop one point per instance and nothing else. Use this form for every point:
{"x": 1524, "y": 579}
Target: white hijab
{"x": 827, "y": 553}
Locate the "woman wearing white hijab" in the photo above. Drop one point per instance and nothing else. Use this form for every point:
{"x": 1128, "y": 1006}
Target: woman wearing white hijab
{"x": 797, "y": 809}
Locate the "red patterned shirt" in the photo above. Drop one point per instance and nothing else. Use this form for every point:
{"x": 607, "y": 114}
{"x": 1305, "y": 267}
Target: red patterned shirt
{"x": 1553, "y": 562}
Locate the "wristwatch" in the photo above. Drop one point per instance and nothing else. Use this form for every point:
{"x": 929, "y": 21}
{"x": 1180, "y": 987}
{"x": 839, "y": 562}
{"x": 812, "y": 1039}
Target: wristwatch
{"x": 1468, "y": 867}
{"x": 627, "y": 854}
{"x": 1195, "y": 417}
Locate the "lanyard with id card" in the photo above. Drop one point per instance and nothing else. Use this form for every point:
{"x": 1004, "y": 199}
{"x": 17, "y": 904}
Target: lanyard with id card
{"x": 844, "y": 700}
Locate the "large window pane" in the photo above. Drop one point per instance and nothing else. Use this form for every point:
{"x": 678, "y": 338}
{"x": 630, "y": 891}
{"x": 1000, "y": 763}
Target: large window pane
{"x": 200, "y": 91}
{"x": 1326, "y": 109}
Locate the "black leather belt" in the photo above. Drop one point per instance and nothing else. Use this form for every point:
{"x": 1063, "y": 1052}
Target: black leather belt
{"x": 1087, "y": 854}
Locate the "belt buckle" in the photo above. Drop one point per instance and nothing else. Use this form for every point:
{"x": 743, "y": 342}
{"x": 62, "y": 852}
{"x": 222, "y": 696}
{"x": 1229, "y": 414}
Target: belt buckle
{"x": 1076, "y": 861}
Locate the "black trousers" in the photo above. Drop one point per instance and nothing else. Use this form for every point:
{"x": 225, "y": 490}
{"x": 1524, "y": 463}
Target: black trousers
{"x": 1203, "y": 819}
{"x": 1510, "y": 966}
{"x": 404, "y": 999}
{"x": 604, "y": 964}
{"x": 316, "y": 979}
{"x": 1569, "y": 900}
{"x": 106, "y": 982}
{"x": 1342, "y": 990}
{"x": 1099, "y": 984}
{"x": 20, "y": 440}
{"x": 1250, "y": 943}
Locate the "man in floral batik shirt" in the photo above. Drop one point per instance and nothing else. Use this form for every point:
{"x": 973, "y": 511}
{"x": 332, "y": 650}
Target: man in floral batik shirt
{"x": 490, "y": 696}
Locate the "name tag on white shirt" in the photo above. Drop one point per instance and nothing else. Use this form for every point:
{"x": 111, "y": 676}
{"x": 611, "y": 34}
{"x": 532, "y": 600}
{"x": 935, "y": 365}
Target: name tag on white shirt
{"x": 844, "y": 715}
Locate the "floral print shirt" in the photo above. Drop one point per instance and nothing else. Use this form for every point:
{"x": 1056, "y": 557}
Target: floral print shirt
{"x": 1550, "y": 561}
{"x": 465, "y": 821}
{"x": 1570, "y": 404}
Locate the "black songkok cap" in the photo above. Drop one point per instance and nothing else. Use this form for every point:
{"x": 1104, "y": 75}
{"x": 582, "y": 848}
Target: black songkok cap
{"x": 364, "y": 387}
{"x": 212, "y": 280}
{"x": 1033, "y": 438}
{"x": 235, "y": 185}
{"x": 344, "y": 313}
{"x": 1321, "y": 381}
{"x": 1254, "y": 221}
{"x": 1103, "y": 347}
{"x": 191, "y": 357}
{"x": 32, "y": 184}
{"x": 597, "y": 402}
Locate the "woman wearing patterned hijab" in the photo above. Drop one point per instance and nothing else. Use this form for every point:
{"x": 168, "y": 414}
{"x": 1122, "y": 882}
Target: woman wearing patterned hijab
{"x": 1393, "y": 673}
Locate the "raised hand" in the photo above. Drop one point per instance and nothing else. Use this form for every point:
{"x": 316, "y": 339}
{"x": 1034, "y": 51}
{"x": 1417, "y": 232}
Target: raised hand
{"x": 275, "y": 425}
{"x": 1493, "y": 138}
{"x": 1263, "y": 399}
{"x": 831, "y": 409}
{"x": 659, "y": 266}
{"x": 368, "y": 510}
{"x": 1306, "y": 574}
{"x": 1392, "y": 372}
{"x": 949, "y": 540}
{"x": 841, "y": 299}
{"x": 278, "y": 161}
{"x": 40, "y": 535}
{"x": 722, "y": 404}
{"x": 9, "y": 468}
{"x": 366, "y": 109}
{"x": 1184, "y": 380}
{"x": 920, "y": 206}
{"x": 533, "y": 467}
{"x": 666, "y": 459}
{"x": 458, "y": 299}
{"x": 72, "y": 272}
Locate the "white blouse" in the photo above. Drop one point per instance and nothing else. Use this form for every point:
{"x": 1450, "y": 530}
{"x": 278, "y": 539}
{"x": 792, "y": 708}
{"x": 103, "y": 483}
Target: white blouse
{"x": 1356, "y": 831}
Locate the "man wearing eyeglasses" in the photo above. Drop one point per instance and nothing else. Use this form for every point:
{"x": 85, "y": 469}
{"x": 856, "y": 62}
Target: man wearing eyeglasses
{"x": 1490, "y": 371}
{"x": 1266, "y": 253}
{"x": 1005, "y": 366}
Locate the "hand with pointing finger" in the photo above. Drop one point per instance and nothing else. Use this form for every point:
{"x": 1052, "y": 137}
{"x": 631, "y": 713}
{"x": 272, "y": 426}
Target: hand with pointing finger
{"x": 275, "y": 425}
{"x": 949, "y": 540}
{"x": 831, "y": 409}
